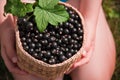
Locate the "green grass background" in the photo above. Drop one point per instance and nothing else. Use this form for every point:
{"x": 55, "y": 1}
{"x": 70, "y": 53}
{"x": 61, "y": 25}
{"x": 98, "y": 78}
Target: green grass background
{"x": 112, "y": 10}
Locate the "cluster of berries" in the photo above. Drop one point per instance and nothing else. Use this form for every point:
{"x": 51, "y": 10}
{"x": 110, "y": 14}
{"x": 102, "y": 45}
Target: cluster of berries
{"x": 57, "y": 43}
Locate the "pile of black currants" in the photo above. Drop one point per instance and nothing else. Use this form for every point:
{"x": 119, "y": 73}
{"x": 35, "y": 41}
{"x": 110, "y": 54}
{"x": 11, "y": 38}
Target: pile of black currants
{"x": 57, "y": 43}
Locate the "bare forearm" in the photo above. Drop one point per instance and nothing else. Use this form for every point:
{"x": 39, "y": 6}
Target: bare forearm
{"x": 90, "y": 10}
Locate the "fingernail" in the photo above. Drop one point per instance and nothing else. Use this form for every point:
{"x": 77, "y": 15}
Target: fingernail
{"x": 84, "y": 53}
{"x": 14, "y": 60}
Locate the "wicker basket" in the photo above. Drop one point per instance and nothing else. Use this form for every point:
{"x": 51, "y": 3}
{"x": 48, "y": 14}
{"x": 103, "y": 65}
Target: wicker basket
{"x": 41, "y": 69}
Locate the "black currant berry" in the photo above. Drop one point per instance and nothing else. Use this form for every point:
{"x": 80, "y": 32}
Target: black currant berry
{"x": 62, "y": 58}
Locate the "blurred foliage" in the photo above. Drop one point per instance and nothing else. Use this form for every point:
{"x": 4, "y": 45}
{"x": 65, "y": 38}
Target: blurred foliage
{"x": 112, "y": 10}
{"x": 4, "y": 73}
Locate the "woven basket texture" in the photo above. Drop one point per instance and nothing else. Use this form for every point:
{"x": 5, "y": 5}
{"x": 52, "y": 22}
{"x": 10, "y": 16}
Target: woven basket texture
{"x": 41, "y": 69}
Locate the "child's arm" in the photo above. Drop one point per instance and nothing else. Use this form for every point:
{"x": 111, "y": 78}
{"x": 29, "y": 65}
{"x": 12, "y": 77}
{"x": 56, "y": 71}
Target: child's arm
{"x": 90, "y": 11}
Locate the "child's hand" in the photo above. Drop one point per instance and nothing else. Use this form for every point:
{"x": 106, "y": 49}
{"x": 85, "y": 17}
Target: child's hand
{"x": 87, "y": 51}
{"x": 88, "y": 47}
{"x": 89, "y": 44}
{"x": 8, "y": 53}
{"x": 7, "y": 40}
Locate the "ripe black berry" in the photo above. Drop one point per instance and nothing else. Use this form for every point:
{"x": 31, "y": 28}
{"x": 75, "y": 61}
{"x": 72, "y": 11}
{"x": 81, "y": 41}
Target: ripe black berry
{"x": 52, "y": 39}
{"x": 52, "y": 33}
{"x": 54, "y": 44}
{"x": 44, "y": 59}
{"x": 77, "y": 17}
{"x": 54, "y": 52}
{"x": 29, "y": 25}
{"x": 40, "y": 56}
{"x": 46, "y": 54}
{"x": 73, "y": 16}
{"x": 74, "y": 36}
{"x": 44, "y": 42}
{"x": 76, "y": 22}
{"x": 40, "y": 36}
{"x": 60, "y": 30}
{"x": 24, "y": 44}
{"x": 31, "y": 50}
{"x": 23, "y": 39}
{"x": 61, "y": 53}
{"x": 68, "y": 55}
{"x": 62, "y": 58}
{"x": 28, "y": 40}
{"x": 66, "y": 24}
{"x": 35, "y": 55}
{"x": 66, "y": 49}
{"x": 32, "y": 45}
{"x": 80, "y": 32}
{"x": 71, "y": 20}
{"x": 21, "y": 21}
{"x": 35, "y": 40}
{"x": 26, "y": 48}
{"x": 75, "y": 46}
{"x": 65, "y": 40}
{"x": 38, "y": 45}
{"x": 78, "y": 25}
{"x": 52, "y": 61}
{"x": 46, "y": 36}
{"x": 74, "y": 30}
{"x": 66, "y": 31}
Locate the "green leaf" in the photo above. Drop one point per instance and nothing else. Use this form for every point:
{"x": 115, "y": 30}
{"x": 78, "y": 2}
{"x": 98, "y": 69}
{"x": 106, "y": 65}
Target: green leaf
{"x": 40, "y": 19}
{"x": 52, "y": 16}
{"x": 9, "y": 4}
{"x": 48, "y": 4}
{"x": 57, "y": 15}
{"x": 17, "y": 8}
{"x": 29, "y": 8}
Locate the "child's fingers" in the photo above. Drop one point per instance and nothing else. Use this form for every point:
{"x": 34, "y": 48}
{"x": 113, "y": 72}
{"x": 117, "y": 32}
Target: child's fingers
{"x": 11, "y": 66}
{"x": 9, "y": 44}
{"x": 85, "y": 59}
